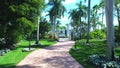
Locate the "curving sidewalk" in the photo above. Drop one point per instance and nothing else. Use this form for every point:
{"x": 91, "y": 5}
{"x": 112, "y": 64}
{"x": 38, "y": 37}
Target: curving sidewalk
{"x": 56, "y": 56}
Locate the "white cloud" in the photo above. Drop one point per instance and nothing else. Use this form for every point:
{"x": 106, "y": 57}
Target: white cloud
{"x": 69, "y": 1}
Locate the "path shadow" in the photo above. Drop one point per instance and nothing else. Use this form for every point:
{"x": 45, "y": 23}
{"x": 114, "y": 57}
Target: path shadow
{"x": 62, "y": 62}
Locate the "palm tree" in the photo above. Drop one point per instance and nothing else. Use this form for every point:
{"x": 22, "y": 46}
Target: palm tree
{"x": 110, "y": 29}
{"x": 76, "y": 15}
{"x": 84, "y": 9}
{"x": 94, "y": 17}
{"x": 55, "y": 12}
{"x": 102, "y": 6}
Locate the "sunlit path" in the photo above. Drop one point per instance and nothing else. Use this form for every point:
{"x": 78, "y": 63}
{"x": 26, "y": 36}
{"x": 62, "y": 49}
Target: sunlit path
{"x": 56, "y": 56}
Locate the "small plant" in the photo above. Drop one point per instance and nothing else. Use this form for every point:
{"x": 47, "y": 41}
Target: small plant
{"x": 112, "y": 64}
{"x": 98, "y": 59}
{"x": 103, "y": 61}
{"x": 2, "y": 52}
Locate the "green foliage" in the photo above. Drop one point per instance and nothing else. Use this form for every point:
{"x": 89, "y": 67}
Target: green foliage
{"x": 117, "y": 36}
{"x": 97, "y": 34}
{"x": 44, "y": 28}
{"x": 18, "y": 19}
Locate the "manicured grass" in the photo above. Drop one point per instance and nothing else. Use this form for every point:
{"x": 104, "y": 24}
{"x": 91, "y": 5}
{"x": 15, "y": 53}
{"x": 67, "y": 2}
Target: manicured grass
{"x": 13, "y": 57}
{"x": 81, "y": 55}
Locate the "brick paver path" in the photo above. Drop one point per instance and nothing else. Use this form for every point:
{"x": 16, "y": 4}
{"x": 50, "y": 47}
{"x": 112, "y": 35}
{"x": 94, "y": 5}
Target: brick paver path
{"x": 56, "y": 56}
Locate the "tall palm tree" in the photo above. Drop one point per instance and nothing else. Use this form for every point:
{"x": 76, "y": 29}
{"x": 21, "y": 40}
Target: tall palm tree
{"x": 76, "y": 15}
{"x": 110, "y": 27}
{"x": 84, "y": 9}
{"x": 102, "y": 6}
{"x": 55, "y": 12}
{"x": 94, "y": 17}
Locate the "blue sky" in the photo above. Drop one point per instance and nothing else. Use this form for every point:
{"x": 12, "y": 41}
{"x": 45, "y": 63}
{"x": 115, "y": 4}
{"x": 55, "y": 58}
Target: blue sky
{"x": 71, "y": 4}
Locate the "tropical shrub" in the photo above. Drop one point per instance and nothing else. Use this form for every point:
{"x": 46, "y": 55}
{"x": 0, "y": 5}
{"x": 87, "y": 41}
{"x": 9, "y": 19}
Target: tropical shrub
{"x": 97, "y": 34}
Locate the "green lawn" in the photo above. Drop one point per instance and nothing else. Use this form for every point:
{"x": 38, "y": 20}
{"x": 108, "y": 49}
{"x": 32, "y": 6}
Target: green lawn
{"x": 13, "y": 57}
{"x": 81, "y": 55}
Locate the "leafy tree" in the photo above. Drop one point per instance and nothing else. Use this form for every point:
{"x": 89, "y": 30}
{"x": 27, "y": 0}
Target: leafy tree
{"x": 44, "y": 28}
{"x": 17, "y": 18}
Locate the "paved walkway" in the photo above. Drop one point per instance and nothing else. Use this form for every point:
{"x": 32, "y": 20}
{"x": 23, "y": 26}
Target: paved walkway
{"x": 56, "y": 56}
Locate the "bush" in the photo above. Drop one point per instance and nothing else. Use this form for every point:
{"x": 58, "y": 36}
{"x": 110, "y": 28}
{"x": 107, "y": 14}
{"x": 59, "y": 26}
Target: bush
{"x": 117, "y": 37}
{"x": 97, "y": 34}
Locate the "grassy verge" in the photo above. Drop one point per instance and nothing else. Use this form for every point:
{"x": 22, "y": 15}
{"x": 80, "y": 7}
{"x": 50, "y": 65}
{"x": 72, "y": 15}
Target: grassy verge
{"x": 81, "y": 55}
{"x": 13, "y": 57}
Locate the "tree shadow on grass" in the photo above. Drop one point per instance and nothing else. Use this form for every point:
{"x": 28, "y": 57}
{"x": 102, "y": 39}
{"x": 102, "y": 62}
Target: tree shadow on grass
{"x": 7, "y": 65}
{"x": 33, "y": 46}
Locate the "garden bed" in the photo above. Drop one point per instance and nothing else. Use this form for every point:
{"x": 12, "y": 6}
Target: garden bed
{"x": 84, "y": 51}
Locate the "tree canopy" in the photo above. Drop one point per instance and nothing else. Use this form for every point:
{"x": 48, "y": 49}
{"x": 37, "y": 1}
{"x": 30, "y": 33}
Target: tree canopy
{"x": 18, "y": 18}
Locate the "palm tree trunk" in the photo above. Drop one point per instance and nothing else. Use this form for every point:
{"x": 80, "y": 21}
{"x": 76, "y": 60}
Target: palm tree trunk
{"x": 37, "y": 40}
{"x": 110, "y": 27}
{"x": 88, "y": 29}
{"x": 54, "y": 27}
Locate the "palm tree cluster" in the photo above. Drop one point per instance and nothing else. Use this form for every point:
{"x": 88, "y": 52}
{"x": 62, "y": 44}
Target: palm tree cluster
{"x": 55, "y": 12}
{"x": 76, "y": 20}
{"x": 93, "y": 21}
